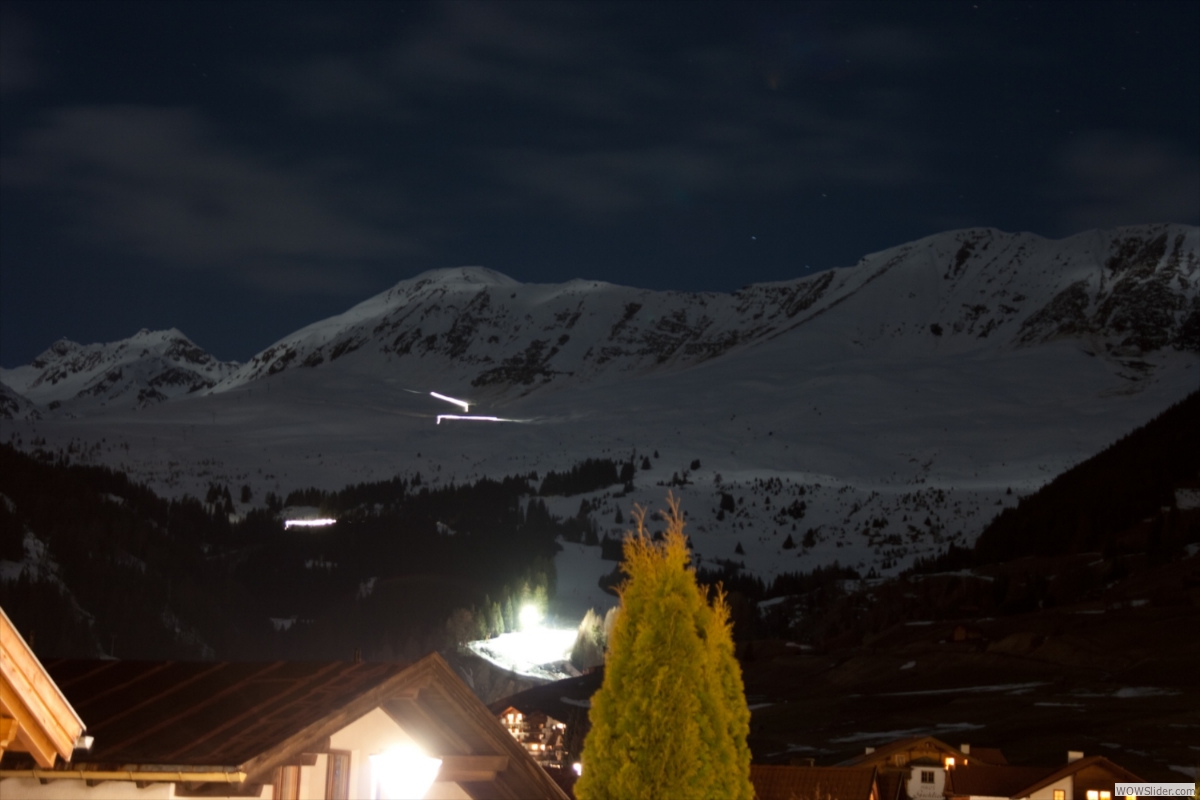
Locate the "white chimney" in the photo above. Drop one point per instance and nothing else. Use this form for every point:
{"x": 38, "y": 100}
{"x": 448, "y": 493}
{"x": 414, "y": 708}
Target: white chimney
{"x": 1074, "y": 755}
{"x": 870, "y": 750}
{"x": 965, "y": 748}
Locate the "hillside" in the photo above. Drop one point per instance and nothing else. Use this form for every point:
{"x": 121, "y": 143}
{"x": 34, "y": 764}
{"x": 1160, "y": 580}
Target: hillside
{"x": 870, "y": 415}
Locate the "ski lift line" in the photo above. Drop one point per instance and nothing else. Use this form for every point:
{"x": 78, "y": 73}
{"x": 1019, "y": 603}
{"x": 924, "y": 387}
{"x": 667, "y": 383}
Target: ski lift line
{"x": 471, "y": 417}
{"x": 463, "y": 404}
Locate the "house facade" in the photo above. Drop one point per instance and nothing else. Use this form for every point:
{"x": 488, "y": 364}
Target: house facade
{"x": 926, "y": 768}
{"x": 279, "y": 730}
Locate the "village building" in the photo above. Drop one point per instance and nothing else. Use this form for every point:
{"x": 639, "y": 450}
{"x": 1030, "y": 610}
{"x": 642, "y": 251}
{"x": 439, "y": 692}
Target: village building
{"x": 542, "y": 736}
{"x": 280, "y": 730}
{"x": 773, "y": 782}
{"x": 35, "y": 718}
{"x": 925, "y": 768}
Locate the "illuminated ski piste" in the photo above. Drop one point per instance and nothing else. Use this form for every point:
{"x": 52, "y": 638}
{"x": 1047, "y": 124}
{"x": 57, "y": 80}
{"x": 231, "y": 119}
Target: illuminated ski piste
{"x": 536, "y": 653}
{"x": 472, "y": 417}
{"x": 307, "y": 523}
{"x": 463, "y": 404}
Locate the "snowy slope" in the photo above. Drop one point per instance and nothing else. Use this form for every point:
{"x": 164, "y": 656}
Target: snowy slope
{"x": 148, "y": 367}
{"x": 1124, "y": 291}
{"x": 897, "y": 400}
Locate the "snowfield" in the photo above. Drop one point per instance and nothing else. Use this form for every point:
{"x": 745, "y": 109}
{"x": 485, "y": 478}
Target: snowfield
{"x": 872, "y": 414}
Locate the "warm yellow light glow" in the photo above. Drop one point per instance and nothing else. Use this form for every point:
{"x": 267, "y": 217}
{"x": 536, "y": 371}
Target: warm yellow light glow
{"x": 1093, "y": 795}
{"x": 1105, "y": 795}
{"x": 403, "y": 772}
{"x": 949, "y": 762}
{"x": 578, "y": 768}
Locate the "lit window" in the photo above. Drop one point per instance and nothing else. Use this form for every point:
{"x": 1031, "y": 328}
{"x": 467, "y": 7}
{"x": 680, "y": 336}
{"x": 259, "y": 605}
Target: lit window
{"x": 1093, "y": 795}
{"x": 927, "y": 776}
{"x": 1131, "y": 797}
{"x": 1060, "y": 794}
{"x": 1106, "y": 796}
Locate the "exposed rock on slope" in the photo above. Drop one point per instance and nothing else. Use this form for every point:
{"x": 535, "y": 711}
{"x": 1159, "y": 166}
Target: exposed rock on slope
{"x": 147, "y": 368}
{"x": 1124, "y": 291}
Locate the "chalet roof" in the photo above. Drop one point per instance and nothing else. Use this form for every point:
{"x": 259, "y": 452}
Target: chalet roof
{"x": 882, "y": 755}
{"x": 35, "y": 717}
{"x": 253, "y": 717}
{"x": 994, "y": 781}
{"x": 987, "y": 755}
{"x": 826, "y": 783}
{"x": 207, "y": 713}
{"x": 891, "y": 785}
{"x": 1010, "y": 781}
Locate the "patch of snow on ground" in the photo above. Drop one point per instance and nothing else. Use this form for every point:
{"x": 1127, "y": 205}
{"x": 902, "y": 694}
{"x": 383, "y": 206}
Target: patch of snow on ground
{"x": 538, "y": 653}
{"x": 578, "y": 569}
{"x": 998, "y": 687}
{"x": 1144, "y": 691}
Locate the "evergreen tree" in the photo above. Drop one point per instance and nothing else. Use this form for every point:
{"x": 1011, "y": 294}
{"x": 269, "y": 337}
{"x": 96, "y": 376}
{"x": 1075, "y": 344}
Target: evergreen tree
{"x": 671, "y": 718}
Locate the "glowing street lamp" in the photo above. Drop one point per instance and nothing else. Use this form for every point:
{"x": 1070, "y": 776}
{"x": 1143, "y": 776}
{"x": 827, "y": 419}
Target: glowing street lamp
{"x": 402, "y": 773}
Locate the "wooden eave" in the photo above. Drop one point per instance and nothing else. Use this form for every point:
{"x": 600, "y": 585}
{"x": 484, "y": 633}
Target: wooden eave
{"x": 431, "y": 703}
{"x": 35, "y": 717}
{"x": 1119, "y": 773}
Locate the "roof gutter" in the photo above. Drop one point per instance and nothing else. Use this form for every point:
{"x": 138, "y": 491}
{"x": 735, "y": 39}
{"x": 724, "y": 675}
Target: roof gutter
{"x": 124, "y": 775}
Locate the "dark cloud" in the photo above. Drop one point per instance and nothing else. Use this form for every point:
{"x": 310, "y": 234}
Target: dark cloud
{"x": 157, "y": 182}
{"x": 1108, "y": 178}
{"x": 18, "y": 66}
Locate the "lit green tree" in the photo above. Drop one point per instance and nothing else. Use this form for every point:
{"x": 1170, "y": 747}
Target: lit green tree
{"x": 671, "y": 718}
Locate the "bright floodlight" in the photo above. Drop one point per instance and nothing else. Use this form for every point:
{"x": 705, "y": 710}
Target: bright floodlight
{"x": 578, "y": 768}
{"x": 307, "y": 523}
{"x": 471, "y": 417}
{"x": 530, "y": 616}
{"x": 403, "y": 772}
{"x": 463, "y": 404}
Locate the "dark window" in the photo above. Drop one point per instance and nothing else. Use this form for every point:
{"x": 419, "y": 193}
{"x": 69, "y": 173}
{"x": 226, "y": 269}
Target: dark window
{"x": 926, "y": 776}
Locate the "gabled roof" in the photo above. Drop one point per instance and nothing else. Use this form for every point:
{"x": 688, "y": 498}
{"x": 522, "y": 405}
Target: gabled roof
{"x": 35, "y": 717}
{"x": 253, "y": 717}
{"x": 1009, "y": 781}
{"x": 992, "y": 781}
{"x": 812, "y": 783}
{"x": 882, "y": 755}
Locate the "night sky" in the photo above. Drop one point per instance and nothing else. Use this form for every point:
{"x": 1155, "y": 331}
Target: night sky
{"x": 239, "y": 169}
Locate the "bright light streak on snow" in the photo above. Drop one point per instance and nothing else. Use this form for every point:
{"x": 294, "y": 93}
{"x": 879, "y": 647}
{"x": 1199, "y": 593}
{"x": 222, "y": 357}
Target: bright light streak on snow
{"x": 471, "y": 417}
{"x": 463, "y": 404}
{"x": 307, "y": 523}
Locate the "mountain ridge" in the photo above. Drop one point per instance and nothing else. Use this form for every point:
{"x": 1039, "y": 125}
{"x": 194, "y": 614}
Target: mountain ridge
{"x": 1121, "y": 292}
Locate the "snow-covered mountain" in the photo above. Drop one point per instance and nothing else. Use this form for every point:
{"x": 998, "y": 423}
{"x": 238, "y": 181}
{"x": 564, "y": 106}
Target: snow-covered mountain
{"x": 872, "y": 413}
{"x": 147, "y": 368}
{"x": 1124, "y": 292}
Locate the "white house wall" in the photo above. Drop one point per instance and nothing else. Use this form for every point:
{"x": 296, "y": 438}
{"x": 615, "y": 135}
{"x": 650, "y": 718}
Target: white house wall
{"x": 33, "y": 789}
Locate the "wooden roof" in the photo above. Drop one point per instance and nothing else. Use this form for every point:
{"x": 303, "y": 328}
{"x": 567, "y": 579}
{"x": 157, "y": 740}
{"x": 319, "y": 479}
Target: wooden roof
{"x": 924, "y": 746}
{"x": 991, "y": 781}
{"x": 812, "y": 783}
{"x": 35, "y": 717}
{"x": 254, "y": 717}
{"x": 1009, "y": 781}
